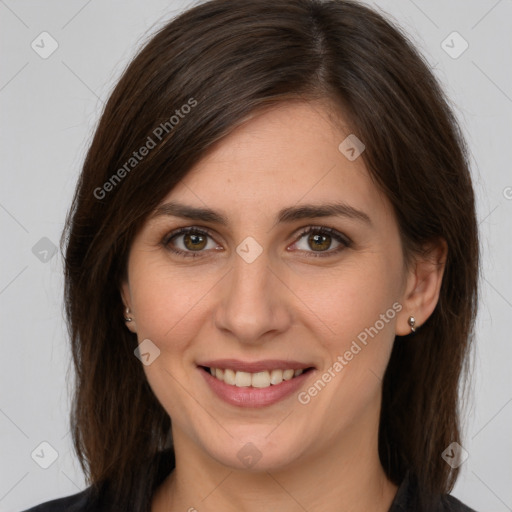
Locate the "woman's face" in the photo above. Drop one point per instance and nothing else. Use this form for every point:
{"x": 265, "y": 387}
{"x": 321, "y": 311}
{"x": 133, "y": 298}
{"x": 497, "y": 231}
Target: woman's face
{"x": 259, "y": 292}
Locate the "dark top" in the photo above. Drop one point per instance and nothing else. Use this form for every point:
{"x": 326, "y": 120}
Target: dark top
{"x": 406, "y": 499}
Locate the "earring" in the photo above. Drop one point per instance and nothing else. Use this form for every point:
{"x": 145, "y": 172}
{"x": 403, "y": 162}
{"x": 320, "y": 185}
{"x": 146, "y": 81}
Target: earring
{"x": 412, "y": 322}
{"x": 128, "y": 318}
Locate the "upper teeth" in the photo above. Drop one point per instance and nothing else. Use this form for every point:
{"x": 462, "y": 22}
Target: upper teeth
{"x": 257, "y": 380}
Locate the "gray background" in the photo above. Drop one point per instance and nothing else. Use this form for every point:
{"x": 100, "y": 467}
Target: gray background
{"x": 49, "y": 109}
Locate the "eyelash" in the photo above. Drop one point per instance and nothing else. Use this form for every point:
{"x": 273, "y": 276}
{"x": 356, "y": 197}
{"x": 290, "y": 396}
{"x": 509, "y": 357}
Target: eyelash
{"x": 321, "y": 230}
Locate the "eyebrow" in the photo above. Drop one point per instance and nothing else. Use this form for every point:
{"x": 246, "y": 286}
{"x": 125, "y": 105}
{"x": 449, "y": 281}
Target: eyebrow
{"x": 286, "y": 215}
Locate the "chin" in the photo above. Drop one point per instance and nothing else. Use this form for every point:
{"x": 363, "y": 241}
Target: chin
{"x": 257, "y": 452}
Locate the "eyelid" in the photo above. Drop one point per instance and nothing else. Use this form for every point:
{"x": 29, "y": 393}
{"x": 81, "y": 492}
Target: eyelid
{"x": 184, "y": 230}
{"x": 343, "y": 239}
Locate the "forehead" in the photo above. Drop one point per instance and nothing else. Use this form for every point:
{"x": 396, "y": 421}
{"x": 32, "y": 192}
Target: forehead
{"x": 287, "y": 155}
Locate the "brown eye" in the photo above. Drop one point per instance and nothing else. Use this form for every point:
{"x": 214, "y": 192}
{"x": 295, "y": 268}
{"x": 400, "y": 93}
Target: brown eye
{"x": 194, "y": 242}
{"x": 320, "y": 239}
{"x": 188, "y": 242}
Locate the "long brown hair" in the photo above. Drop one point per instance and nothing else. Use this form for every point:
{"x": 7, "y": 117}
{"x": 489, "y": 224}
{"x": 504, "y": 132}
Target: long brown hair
{"x": 225, "y": 59}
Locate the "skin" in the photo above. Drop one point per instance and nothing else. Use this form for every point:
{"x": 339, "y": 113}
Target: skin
{"x": 286, "y": 304}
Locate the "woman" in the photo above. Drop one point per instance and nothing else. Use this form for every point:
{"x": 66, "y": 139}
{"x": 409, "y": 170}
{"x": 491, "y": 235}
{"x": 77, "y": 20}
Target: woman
{"x": 271, "y": 270}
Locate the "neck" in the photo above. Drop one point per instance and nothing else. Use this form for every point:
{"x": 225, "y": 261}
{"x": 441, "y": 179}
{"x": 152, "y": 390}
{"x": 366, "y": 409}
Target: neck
{"x": 345, "y": 476}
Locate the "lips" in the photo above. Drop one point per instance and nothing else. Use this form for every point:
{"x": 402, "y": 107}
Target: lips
{"x": 256, "y": 383}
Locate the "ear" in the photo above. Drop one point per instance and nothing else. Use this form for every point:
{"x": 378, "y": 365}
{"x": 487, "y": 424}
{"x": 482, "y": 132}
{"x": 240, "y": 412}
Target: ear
{"x": 126, "y": 297}
{"x": 423, "y": 285}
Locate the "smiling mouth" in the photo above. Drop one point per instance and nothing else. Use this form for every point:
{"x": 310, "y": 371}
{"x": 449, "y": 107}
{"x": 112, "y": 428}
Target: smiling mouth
{"x": 263, "y": 379}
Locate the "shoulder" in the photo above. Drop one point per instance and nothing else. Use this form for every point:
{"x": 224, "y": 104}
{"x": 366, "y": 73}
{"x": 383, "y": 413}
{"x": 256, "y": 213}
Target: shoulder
{"x": 411, "y": 497}
{"x": 84, "y": 501}
{"x": 98, "y": 498}
{"x": 449, "y": 503}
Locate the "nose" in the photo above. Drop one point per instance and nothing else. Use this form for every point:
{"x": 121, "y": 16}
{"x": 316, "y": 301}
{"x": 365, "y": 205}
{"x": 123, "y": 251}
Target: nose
{"x": 255, "y": 302}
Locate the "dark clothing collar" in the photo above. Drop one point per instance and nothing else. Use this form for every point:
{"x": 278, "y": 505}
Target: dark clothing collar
{"x": 407, "y": 499}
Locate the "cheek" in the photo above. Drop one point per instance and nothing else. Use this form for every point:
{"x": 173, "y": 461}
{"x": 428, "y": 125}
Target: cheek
{"x": 168, "y": 303}
{"x": 170, "y": 307}
{"x": 360, "y": 307}
{"x": 353, "y": 301}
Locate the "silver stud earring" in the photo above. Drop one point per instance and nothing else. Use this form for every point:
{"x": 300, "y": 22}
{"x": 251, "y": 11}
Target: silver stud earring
{"x": 412, "y": 322}
{"x": 128, "y": 318}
